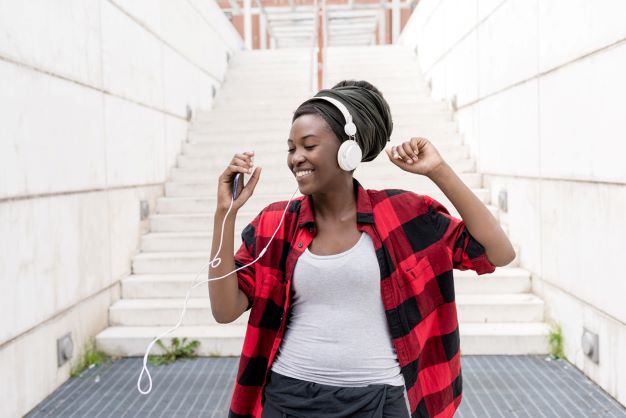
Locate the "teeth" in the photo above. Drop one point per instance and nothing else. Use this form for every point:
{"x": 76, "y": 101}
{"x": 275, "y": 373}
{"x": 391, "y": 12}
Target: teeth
{"x": 303, "y": 173}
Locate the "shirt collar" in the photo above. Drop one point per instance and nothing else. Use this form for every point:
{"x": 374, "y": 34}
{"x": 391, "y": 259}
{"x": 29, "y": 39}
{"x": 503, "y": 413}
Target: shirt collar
{"x": 364, "y": 212}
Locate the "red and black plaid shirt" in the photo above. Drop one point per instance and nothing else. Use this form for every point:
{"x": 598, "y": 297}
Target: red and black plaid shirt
{"x": 417, "y": 243}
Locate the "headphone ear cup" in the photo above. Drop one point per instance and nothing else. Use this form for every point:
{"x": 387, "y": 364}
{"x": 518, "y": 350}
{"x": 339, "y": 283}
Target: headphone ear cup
{"x": 349, "y": 155}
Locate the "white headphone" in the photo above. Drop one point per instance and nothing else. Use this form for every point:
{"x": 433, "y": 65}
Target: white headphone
{"x": 349, "y": 154}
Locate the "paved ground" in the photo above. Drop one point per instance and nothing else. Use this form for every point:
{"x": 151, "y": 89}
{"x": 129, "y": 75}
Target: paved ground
{"x": 493, "y": 386}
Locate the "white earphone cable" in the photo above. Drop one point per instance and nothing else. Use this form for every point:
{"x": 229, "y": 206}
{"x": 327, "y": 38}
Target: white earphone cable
{"x": 213, "y": 263}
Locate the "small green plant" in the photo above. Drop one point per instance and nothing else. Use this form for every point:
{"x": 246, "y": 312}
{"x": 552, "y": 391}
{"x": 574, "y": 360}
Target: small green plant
{"x": 90, "y": 357}
{"x": 555, "y": 339}
{"x": 178, "y": 349}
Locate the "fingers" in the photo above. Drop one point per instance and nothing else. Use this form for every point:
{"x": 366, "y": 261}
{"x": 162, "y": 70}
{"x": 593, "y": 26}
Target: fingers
{"x": 399, "y": 152}
{"x": 408, "y": 152}
{"x": 238, "y": 169}
{"x": 411, "y": 155}
{"x": 245, "y": 160}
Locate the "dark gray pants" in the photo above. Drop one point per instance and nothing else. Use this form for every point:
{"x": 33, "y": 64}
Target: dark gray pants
{"x": 286, "y": 397}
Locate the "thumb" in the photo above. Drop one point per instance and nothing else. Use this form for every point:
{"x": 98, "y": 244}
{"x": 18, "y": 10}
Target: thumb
{"x": 254, "y": 179}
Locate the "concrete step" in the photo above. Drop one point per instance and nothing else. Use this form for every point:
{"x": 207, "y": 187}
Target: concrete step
{"x": 368, "y": 70}
{"x": 227, "y": 339}
{"x": 170, "y": 262}
{"x": 504, "y": 338}
{"x": 269, "y": 76}
{"x": 421, "y": 112}
{"x": 449, "y": 151}
{"x": 285, "y": 91}
{"x": 173, "y": 262}
{"x": 201, "y": 241}
{"x": 420, "y": 102}
{"x": 400, "y": 179}
{"x": 217, "y": 163}
{"x": 521, "y": 307}
{"x": 228, "y": 122}
{"x": 234, "y": 125}
{"x": 255, "y": 102}
{"x": 184, "y": 241}
{"x": 167, "y": 311}
{"x": 215, "y": 340}
{"x": 144, "y": 286}
{"x": 285, "y": 185}
{"x": 515, "y": 307}
{"x": 206, "y": 205}
{"x": 502, "y": 280}
{"x": 190, "y": 222}
{"x": 234, "y": 139}
{"x": 380, "y": 80}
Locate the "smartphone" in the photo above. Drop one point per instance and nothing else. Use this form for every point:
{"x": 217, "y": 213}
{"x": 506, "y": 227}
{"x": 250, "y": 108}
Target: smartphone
{"x": 236, "y": 184}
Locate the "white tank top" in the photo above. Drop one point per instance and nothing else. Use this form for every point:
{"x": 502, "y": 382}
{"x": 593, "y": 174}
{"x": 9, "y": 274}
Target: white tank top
{"x": 338, "y": 333}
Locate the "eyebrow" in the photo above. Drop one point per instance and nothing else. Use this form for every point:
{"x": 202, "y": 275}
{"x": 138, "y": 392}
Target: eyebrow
{"x": 304, "y": 137}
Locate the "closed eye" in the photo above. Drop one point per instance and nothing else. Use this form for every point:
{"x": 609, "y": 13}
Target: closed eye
{"x": 309, "y": 147}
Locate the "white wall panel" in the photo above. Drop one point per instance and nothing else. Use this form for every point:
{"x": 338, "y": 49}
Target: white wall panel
{"x": 546, "y": 124}
{"x": 132, "y": 59}
{"x": 505, "y": 60}
{"x": 146, "y": 12}
{"x": 188, "y": 32}
{"x": 185, "y": 85}
{"x": 57, "y": 255}
{"x": 93, "y": 100}
{"x": 571, "y": 28}
{"x": 487, "y": 7}
{"x": 433, "y": 49}
{"x": 582, "y": 253}
{"x": 582, "y": 119}
{"x": 133, "y": 134}
{"x": 462, "y": 71}
{"x": 214, "y": 16}
{"x": 52, "y": 134}
{"x": 62, "y": 37}
{"x": 460, "y": 18}
{"x": 508, "y": 140}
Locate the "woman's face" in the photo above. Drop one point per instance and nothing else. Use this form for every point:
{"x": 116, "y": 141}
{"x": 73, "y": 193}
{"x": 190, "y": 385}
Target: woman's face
{"x": 313, "y": 146}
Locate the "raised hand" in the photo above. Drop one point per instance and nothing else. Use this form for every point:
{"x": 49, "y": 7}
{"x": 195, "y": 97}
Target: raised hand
{"x": 417, "y": 155}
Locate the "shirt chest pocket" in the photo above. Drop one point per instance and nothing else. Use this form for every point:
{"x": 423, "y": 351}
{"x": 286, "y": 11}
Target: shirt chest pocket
{"x": 416, "y": 276}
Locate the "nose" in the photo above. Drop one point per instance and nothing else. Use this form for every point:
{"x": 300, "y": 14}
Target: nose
{"x": 297, "y": 157}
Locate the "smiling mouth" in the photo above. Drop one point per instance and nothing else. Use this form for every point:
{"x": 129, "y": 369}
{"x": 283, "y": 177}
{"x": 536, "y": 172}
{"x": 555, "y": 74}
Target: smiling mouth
{"x": 303, "y": 174}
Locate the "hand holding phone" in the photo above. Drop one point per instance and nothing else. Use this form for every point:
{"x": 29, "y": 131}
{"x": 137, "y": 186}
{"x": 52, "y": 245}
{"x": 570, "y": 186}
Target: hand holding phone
{"x": 231, "y": 187}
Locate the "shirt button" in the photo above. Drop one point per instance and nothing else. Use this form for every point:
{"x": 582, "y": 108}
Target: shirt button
{"x": 299, "y": 245}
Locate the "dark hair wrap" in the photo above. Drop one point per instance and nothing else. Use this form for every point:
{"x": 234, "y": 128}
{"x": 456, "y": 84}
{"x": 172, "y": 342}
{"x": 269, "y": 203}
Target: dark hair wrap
{"x": 369, "y": 109}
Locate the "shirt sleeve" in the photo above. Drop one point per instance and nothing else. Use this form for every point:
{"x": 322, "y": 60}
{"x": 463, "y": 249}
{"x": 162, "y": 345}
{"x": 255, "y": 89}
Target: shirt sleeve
{"x": 466, "y": 252}
{"x": 246, "y": 277}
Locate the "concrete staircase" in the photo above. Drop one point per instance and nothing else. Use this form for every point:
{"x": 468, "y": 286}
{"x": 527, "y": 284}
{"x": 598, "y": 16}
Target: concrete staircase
{"x": 497, "y": 312}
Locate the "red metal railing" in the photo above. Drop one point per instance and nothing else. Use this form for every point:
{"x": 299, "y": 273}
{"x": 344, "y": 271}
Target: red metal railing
{"x": 318, "y": 49}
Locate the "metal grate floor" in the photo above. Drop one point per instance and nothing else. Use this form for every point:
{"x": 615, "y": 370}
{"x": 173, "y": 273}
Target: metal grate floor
{"x": 493, "y": 386}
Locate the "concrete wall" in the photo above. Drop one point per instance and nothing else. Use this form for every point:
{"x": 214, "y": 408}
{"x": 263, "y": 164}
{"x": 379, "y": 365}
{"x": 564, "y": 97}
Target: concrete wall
{"x": 539, "y": 87}
{"x": 93, "y": 99}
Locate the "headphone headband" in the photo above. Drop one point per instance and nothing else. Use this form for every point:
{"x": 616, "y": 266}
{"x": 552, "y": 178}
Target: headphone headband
{"x": 349, "y": 128}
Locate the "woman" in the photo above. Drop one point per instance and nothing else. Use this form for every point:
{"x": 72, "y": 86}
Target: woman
{"x": 352, "y": 304}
